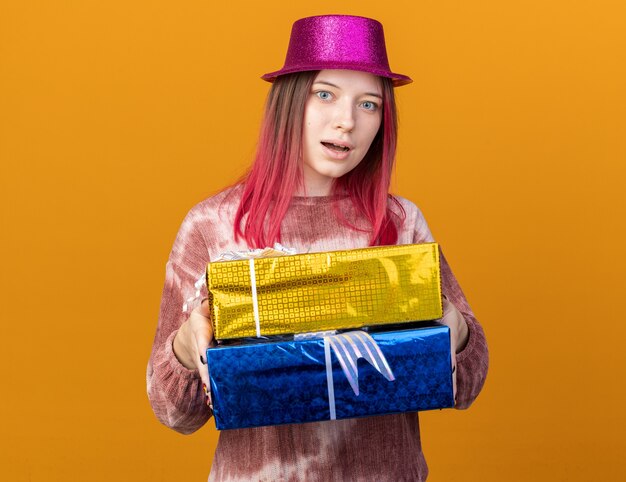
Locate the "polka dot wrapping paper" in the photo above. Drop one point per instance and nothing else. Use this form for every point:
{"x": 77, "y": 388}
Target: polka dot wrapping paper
{"x": 325, "y": 291}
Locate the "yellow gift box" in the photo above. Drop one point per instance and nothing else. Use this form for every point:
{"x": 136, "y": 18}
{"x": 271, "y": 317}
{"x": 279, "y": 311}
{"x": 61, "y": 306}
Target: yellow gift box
{"x": 324, "y": 291}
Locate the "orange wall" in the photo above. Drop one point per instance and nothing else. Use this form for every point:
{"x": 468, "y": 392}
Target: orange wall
{"x": 116, "y": 117}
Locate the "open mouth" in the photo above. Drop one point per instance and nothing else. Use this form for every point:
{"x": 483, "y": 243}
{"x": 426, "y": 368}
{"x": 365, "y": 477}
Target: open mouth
{"x": 336, "y": 147}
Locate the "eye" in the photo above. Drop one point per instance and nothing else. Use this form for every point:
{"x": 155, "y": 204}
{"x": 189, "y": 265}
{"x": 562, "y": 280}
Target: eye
{"x": 369, "y": 105}
{"x": 324, "y": 94}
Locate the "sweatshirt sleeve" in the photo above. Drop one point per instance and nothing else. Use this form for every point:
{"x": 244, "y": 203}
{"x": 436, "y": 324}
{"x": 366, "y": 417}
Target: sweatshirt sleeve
{"x": 473, "y": 360}
{"x": 175, "y": 392}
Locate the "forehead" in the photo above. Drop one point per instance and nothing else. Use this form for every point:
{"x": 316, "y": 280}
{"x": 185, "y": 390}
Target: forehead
{"x": 351, "y": 79}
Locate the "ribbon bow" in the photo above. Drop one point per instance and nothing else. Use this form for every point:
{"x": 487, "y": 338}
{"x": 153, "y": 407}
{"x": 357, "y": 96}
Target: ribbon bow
{"x": 348, "y": 348}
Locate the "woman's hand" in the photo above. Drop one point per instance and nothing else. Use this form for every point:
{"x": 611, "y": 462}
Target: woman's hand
{"x": 453, "y": 318}
{"x": 459, "y": 333}
{"x": 193, "y": 338}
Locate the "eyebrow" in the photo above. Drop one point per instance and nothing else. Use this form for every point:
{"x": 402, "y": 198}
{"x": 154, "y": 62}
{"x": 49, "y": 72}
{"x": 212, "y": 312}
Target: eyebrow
{"x": 373, "y": 94}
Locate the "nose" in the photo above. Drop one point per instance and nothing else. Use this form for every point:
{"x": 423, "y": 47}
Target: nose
{"x": 344, "y": 118}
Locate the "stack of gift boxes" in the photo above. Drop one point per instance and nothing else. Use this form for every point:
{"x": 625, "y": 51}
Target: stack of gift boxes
{"x": 331, "y": 335}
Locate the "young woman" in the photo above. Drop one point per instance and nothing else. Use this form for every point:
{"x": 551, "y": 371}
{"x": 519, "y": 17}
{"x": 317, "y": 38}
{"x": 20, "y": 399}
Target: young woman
{"x": 319, "y": 182}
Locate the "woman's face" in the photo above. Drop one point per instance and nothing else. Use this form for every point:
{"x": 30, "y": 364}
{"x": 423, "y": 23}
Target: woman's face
{"x": 342, "y": 115}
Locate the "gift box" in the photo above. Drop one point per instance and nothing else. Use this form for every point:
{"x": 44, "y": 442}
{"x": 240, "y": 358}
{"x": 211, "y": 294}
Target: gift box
{"x": 324, "y": 291}
{"x": 334, "y": 377}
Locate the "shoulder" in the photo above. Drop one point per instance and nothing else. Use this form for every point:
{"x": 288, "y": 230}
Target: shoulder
{"x": 218, "y": 208}
{"x": 209, "y": 220}
{"x": 414, "y": 223}
{"x": 405, "y": 208}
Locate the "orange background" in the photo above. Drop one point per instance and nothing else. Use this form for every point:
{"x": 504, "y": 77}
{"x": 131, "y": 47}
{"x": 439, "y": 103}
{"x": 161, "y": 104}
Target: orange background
{"x": 116, "y": 117}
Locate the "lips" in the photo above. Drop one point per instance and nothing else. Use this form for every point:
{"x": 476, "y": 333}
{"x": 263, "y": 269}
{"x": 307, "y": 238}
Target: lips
{"x": 337, "y": 146}
{"x": 338, "y": 151}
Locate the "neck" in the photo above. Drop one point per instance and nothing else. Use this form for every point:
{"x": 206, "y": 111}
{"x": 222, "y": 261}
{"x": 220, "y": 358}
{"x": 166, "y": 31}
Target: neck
{"x": 314, "y": 185}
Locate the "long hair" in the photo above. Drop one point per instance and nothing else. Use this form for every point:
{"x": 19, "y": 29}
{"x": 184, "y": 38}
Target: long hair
{"x": 276, "y": 172}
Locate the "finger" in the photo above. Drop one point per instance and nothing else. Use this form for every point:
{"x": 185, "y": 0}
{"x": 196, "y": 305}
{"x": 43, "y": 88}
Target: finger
{"x": 453, "y": 362}
{"x": 202, "y": 329}
{"x": 204, "y": 374}
{"x": 207, "y": 394}
{"x": 203, "y": 370}
{"x": 454, "y": 380}
{"x": 204, "y": 308}
{"x": 445, "y": 304}
{"x": 201, "y": 326}
{"x": 203, "y": 336}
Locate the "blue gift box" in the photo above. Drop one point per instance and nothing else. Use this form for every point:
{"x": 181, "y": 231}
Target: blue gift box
{"x": 266, "y": 382}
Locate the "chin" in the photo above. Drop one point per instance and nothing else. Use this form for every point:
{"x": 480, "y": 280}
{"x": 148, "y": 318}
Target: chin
{"x": 333, "y": 171}
{"x": 329, "y": 169}
{"x": 335, "y": 174}
{"x": 336, "y": 170}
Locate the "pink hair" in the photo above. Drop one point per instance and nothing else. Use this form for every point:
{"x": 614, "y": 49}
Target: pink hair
{"x": 276, "y": 172}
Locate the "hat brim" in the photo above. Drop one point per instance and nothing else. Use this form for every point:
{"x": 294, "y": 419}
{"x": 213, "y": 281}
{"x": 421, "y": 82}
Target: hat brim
{"x": 398, "y": 79}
